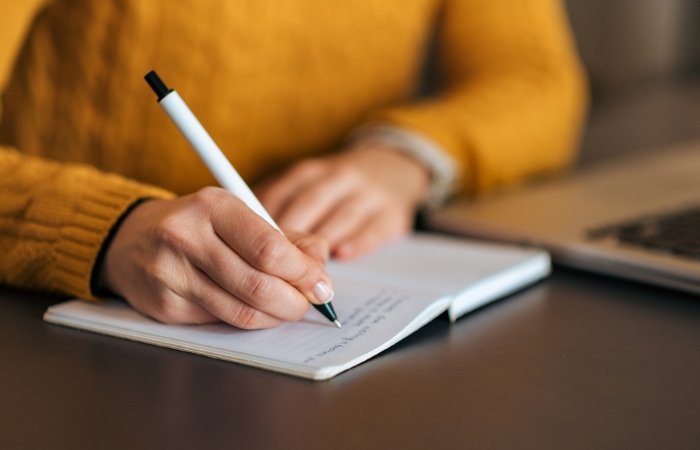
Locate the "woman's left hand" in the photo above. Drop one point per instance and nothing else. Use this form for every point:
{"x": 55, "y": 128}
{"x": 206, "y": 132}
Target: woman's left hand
{"x": 356, "y": 199}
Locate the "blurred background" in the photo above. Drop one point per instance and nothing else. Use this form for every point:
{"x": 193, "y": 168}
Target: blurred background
{"x": 643, "y": 63}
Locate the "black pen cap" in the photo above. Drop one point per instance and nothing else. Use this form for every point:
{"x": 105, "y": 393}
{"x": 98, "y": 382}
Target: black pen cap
{"x": 157, "y": 84}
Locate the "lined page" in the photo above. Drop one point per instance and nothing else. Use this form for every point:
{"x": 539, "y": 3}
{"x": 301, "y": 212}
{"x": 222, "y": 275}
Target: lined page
{"x": 373, "y": 317}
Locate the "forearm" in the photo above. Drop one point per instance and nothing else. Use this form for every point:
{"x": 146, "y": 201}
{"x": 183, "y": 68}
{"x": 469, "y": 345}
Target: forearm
{"x": 54, "y": 218}
{"x": 513, "y": 96}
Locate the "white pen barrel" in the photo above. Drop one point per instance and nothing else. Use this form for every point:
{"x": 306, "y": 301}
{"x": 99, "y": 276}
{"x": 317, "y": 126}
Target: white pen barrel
{"x": 210, "y": 153}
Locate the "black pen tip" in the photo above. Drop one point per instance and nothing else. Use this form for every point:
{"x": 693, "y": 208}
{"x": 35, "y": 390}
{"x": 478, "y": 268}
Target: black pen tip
{"x": 327, "y": 310}
{"x": 157, "y": 84}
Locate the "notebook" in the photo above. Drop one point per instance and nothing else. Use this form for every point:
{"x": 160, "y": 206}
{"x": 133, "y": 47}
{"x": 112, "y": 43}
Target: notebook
{"x": 380, "y": 298}
{"x": 636, "y": 217}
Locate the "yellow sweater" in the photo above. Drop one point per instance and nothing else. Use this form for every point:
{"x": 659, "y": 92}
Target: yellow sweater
{"x": 273, "y": 81}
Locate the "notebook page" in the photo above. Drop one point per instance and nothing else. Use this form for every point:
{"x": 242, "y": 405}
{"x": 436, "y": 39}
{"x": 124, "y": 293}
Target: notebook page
{"x": 440, "y": 264}
{"x": 373, "y": 317}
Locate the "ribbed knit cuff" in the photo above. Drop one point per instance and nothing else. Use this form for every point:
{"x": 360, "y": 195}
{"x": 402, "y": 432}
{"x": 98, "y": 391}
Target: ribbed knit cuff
{"x": 443, "y": 169}
{"x": 81, "y": 239}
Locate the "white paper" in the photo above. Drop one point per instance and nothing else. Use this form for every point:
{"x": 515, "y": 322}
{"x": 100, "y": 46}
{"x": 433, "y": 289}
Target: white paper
{"x": 380, "y": 299}
{"x": 373, "y": 317}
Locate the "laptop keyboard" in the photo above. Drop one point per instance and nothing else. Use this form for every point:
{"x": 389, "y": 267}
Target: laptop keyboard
{"x": 677, "y": 232}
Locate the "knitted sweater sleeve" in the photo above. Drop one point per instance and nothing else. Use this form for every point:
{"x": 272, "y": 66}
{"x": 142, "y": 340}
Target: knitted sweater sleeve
{"x": 513, "y": 94}
{"x": 53, "y": 217}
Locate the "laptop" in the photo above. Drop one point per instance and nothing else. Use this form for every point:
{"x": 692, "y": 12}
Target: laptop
{"x": 634, "y": 217}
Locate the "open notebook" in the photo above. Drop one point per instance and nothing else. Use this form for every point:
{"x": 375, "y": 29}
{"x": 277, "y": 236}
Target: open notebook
{"x": 380, "y": 299}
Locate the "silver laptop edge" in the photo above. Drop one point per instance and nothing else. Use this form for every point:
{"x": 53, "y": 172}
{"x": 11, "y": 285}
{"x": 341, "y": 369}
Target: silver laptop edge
{"x": 559, "y": 214}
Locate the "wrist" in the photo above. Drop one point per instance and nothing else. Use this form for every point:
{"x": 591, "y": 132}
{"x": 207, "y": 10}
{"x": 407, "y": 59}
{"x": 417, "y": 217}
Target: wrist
{"x": 444, "y": 171}
{"x": 396, "y": 169}
{"x": 99, "y": 284}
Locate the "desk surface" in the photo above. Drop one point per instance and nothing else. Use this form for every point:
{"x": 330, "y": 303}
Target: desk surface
{"x": 577, "y": 361}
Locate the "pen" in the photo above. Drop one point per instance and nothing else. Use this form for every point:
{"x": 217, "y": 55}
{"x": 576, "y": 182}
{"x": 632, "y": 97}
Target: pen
{"x": 214, "y": 159}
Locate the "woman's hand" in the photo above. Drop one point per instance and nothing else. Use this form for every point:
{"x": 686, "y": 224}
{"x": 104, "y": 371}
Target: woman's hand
{"x": 207, "y": 257}
{"x": 357, "y": 199}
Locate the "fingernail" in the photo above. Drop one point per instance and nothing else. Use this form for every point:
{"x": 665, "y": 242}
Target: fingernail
{"x": 322, "y": 292}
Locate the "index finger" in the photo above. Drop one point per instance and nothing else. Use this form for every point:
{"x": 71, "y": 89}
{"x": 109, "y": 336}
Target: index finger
{"x": 269, "y": 251}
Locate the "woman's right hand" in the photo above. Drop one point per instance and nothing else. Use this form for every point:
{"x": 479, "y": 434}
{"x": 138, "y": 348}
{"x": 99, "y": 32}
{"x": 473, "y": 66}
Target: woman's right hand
{"x": 207, "y": 257}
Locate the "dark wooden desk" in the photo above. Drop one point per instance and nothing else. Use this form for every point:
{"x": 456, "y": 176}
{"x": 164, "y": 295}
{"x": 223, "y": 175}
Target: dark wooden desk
{"x": 578, "y": 361}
